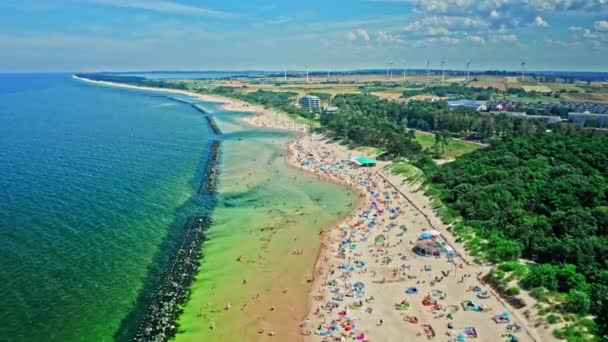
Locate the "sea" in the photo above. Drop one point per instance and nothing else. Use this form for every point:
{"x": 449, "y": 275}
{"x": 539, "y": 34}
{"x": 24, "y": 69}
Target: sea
{"x": 97, "y": 183}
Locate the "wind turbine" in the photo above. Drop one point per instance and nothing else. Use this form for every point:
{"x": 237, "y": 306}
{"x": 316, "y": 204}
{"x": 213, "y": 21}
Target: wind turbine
{"x": 468, "y": 65}
{"x": 391, "y": 69}
{"x": 307, "y": 79}
{"x": 404, "y": 69}
{"x": 328, "y": 73}
{"x": 428, "y": 70}
{"x": 442, "y": 70}
{"x": 523, "y": 70}
{"x": 387, "y": 66}
{"x": 285, "y": 73}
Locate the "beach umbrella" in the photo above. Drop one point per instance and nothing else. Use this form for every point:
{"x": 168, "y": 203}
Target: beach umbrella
{"x": 425, "y": 236}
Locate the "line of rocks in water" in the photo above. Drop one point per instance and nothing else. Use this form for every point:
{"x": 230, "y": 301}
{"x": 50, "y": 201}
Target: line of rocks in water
{"x": 210, "y": 178}
{"x": 199, "y": 109}
{"x": 216, "y": 129}
{"x": 210, "y": 119}
{"x": 160, "y": 320}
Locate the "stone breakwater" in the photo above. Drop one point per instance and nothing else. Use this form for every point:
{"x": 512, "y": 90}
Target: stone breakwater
{"x": 210, "y": 179}
{"x": 173, "y": 290}
{"x": 199, "y": 109}
{"x": 210, "y": 119}
{"x": 216, "y": 129}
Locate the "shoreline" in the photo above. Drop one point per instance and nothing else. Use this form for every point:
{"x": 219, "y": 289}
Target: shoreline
{"x": 530, "y": 333}
{"x": 281, "y": 122}
{"x": 305, "y": 148}
{"x": 359, "y": 205}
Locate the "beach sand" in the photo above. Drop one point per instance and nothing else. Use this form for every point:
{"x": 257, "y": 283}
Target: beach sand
{"x": 359, "y": 280}
{"x": 367, "y": 262}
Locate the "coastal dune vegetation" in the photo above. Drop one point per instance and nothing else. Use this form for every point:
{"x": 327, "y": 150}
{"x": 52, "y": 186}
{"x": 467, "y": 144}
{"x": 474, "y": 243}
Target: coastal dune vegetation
{"x": 542, "y": 198}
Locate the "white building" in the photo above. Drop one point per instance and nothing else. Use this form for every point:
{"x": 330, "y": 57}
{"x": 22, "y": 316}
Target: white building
{"x": 548, "y": 119}
{"x": 479, "y": 106}
{"x": 311, "y": 103}
{"x": 330, "y": 110}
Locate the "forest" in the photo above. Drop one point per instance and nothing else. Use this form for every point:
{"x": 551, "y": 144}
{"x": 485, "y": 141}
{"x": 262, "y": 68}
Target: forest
{"x": 430, "y": 117}
{"x": 543, "y": 198}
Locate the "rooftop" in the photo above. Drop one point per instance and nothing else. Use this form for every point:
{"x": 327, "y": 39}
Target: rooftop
{"x": 363, "y": 161}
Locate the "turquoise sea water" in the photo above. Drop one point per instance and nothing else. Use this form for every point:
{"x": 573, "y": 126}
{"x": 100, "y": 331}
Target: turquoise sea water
{"x": 96, "y": 184}
{"x": 94, "y": 181}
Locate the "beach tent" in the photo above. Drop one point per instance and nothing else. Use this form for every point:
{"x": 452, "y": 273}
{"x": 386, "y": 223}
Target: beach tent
{"x": 502, "y": 318}
{"x": 433, "y": 232}
{"x": 425, "y": 236}
{"x": 428, "y": 248}
{"x": 468, "y": 305}
{"x": 363, "y": 161}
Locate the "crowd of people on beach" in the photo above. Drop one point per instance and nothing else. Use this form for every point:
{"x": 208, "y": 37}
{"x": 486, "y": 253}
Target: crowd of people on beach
{"x": 369, "y": 274}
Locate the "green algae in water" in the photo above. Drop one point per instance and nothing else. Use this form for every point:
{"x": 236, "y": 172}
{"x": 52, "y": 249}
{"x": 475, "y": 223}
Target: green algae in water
{"x": 266, "y": 210}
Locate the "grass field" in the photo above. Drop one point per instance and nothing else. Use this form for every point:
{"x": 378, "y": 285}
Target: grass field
{"x": 537, "y": 88}
{"x": 594, "y": 97}
{"x": 454, "y": 149}
{"x": 562, "y": 86}
{"x": 392, "y": 90}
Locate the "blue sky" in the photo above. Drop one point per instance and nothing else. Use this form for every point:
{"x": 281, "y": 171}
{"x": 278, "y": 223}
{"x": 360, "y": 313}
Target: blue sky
{"x": 93, "y": 35}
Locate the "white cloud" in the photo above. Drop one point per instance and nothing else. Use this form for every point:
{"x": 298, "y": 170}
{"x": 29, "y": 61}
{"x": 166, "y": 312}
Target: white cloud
{"x": 442, "y": 26}
{"x": 507, "y": 14}
{"x": 438, "y": 31}
{"x": 601, "y": 25}
{"x": 596, "y": 35}
{"x": 485, "y": 7}
{"x": 494, "y": 21}
{"x": 540, "y": 22}
{"x": 575, "y": 29}
{"x": 503, "y": 38}
{"x": 383, "y": 37}
{"x": 163, "y": 6}
{"x": 477, "y": 39}
{"x": 455, "y": 30}
{"x": 436, "y": 41}
{"x": 358, "y": 35}
{"x": 362, "y": 36}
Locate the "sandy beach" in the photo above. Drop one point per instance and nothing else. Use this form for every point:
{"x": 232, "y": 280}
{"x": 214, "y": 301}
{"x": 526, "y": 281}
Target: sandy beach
{"x": 369, "y": 284}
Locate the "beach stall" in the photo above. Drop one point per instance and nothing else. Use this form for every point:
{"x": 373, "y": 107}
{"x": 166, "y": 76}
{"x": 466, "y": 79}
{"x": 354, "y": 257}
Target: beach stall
{"x": 428, "y": 248}
{"x": 363, "y": 161}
